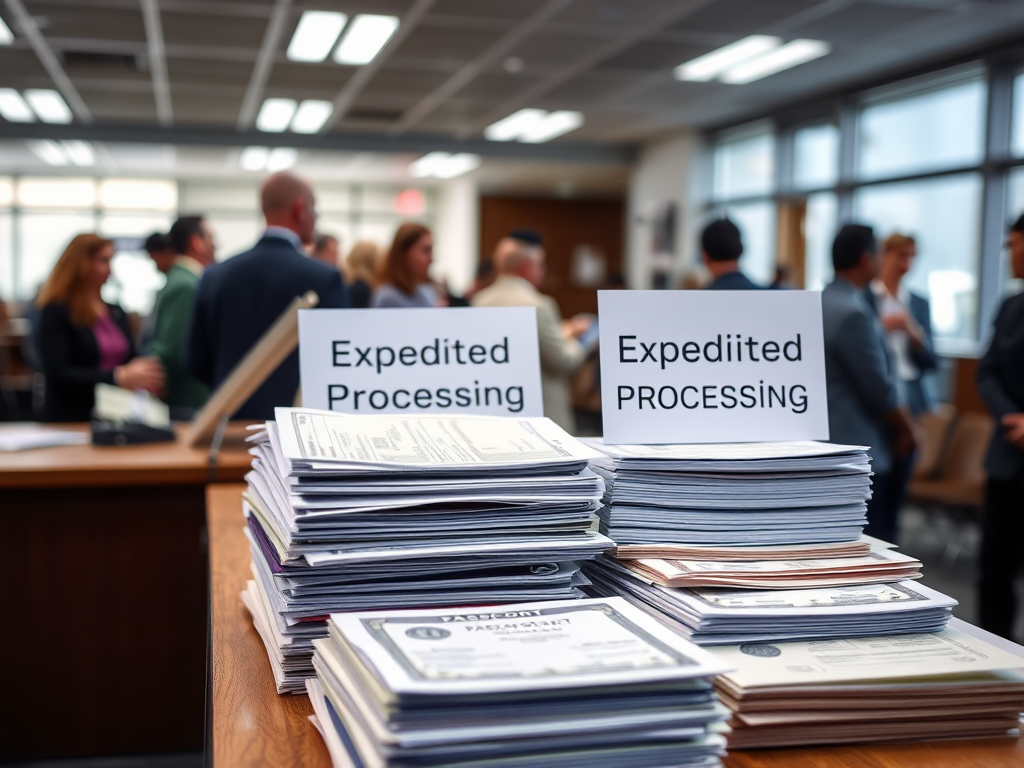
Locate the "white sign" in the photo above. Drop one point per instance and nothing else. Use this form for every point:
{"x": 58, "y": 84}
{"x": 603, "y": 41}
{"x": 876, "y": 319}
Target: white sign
{"x": 712, "y": 366}
{"x": 447, "y": 360}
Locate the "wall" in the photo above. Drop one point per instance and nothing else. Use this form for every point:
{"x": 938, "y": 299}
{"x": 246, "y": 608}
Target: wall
{"x": 667, "y": 172}
{"x": 456, "y": 234}
{"x": 577, "y": 234}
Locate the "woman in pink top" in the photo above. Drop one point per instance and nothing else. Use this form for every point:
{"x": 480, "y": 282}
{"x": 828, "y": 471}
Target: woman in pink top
{"x": 82, "y": 340}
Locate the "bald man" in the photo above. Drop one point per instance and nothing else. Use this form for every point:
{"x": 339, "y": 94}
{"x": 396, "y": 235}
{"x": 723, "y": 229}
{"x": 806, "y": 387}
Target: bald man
{"x": 520, "y": 268}
{"x": 239, "y": 299}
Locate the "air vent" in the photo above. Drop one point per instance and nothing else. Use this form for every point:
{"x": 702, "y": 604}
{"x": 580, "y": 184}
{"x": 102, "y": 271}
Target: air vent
{"x": 92, "y": 60}
{"x": 372, "y": 115}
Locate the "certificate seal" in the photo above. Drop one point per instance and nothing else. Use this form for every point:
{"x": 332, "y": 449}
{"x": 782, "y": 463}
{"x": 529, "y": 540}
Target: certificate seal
{"x": 427, "y": 633}
{"x": 761, "y": 650}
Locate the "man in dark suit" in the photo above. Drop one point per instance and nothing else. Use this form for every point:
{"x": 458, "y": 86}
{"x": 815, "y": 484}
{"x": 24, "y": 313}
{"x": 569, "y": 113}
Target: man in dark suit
{"x": 863, "y": 405}
{"x": 721, "y": 248}
{"x": 239, "y": 299}
{"x": 1001, "y": 384}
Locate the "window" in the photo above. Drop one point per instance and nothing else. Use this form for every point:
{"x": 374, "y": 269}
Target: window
{"x": 944, "y": 215}
{"x": 940, "y": 128}
{"x": 744, "y": 166}
{"x": 56, "y": 193}
{"x": 43, "y": 238}
{"x": 815, "y": 157}
{"x": 1017, "y": 130}
{"x": 139, "y": 194}
{"x": 819, "y": 231}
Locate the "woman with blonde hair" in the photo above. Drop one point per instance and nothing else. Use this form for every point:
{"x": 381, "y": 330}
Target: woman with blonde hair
{"x": 360, "y": 272}
{"x": 405, "y": 273}
{"x": 82, "y": 340}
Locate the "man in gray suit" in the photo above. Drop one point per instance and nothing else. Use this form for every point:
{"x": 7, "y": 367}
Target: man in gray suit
{"x": 863, "y": 406}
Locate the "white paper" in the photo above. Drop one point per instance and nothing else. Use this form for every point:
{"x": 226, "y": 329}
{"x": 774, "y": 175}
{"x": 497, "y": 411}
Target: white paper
{"x": 712, "y": 366}
{"x": 455, "y": 361}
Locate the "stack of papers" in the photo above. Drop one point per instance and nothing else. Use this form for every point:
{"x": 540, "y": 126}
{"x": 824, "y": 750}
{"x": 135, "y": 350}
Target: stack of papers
{"x": 959, "y": 682}
{"x": 737, "y": 494}
{"x": 570, "y": 683}
{"x": 348, "y": 513}
{"x": 879, "y": 566}
{"x": 712, "y": 616}
{"x": 24, "y": 436}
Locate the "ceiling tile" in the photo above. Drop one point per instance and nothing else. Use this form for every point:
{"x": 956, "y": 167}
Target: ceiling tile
{"x": 741, "y": 17}
{"x": 865, "y": 20}
{"x": 207, "y": 29}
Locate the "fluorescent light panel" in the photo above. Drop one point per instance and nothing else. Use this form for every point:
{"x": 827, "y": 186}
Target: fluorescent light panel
{"x": 48, "y": 105}
{"x": 80, "y": 153}
{"x": 253, "y": 158}
{"x": 364, "y": 38}
{"x": 711, "y": 65}
{"x": 790, "y": 55}
{"x": 534, "y": 125}
{"x": 50, "y": 152}
{"x": 6, "y": 36}
{"x": 281, "y": 158}
{"x": 315, "y": 35}
{"x": 311, "y": 116}
{"x": 275, "y": 115}
{"x": 13, "y": 108}
{"x": 442, "y": 165}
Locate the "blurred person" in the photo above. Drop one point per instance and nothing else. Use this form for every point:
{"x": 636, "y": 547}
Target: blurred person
{"x": 484, "y": 278}
{"x": 239, "y": 299}
{"x": 325, "y": 250}
{"x": 405, "y": 273}
{"x": 82, "y": 341}
{"x": 693, "y": 280}
{"x": 1001, "y": 385}
{"x": 193, "y": 241}
{"x": 782, "y": 281}
{"x": 160, "y": 249}
{"x": 361, "y": 267}
{"x": 520, "y": 269}
{"x": 721, "y": 247}
{"x": 863, "y": 400}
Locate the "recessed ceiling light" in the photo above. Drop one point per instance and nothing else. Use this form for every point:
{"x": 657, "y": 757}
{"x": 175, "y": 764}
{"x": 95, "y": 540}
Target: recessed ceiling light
{"x": 534, "y": 125}
{"x": 315, "y": 35}
{"x": 311, "y": 116}
{"x": 281, "y": 158}
{"x": 48, "y": 105}
{"x": 790, "y": 55}
{"x": 711, "y": 65}
{"x": 364, "y": 38}
{"x": 275, "y": 115}
{"x": 50, "y": 152}
{"x": 253, "y": 158}
{"x": 80, "y": 152}
{"x": 6, "y": 36}
{"x": 553, "y": 125}
{"x": 14, "y": 108}
{"x": 513, "y": 126}
{"x": 442, "y": 165}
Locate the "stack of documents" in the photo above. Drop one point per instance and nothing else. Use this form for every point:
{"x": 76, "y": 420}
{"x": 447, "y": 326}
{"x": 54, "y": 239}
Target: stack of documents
{"x": 349, "y": 513}
{"x": 959, "y": 682}
{"x": 736, "y": 494}
{"x": 570, "y": 683}
{"x": 880, "y": 565}
{"x": 716, "y": 616}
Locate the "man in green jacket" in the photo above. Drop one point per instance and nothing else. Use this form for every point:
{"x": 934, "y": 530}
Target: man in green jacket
{"x": 194, "y": 244}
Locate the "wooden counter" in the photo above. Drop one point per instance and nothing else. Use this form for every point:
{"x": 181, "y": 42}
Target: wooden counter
{"x": 252, "y": 725}
{"x": 105, "y": 602}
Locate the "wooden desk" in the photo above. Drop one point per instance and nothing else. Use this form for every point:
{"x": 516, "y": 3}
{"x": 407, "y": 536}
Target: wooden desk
{"x": 253, "y": 726}
{"x": 105, "y": 600}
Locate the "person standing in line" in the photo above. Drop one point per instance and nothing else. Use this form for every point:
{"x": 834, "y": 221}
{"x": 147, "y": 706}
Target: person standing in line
{"x": 520, "y": 272}
{"x": 82, "y": 340}
{"x": 863, "y": 400}
{"x": 906, "y": 318}
{"x": 239, "y": 299}
{"x": 721, "y": 248}
{"x": 1001, "y": 384}
{"x": 325, "y": 250}
{"x": 361, "y": 266}
{"x": 161, "y": 251}
{"x": 405, "y": 273}
{"x": 193, "y": 241}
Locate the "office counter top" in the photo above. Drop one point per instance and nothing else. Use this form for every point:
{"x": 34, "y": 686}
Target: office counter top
{"x": 251, "y": 725}
{"x": 84, "y": 466}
